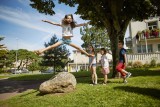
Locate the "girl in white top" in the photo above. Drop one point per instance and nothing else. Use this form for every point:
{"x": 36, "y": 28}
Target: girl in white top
{"x": 105, "y": 64}
{"x": 92, "y": 65}
{"x": 67, "y": 25}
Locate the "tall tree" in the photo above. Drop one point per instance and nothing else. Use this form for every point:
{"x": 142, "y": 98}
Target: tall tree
{"x": 24, "y": 56}
{"x": 56, "y": 57}
{"x": 3, "y": 54}
{"x": 97, "y": 37}
{"x": 113, "y": 15}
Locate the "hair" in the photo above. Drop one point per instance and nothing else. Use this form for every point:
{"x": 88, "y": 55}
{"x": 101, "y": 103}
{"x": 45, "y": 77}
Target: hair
{"x": 73, "y": 23}
{"x": 104, "y": 50}
{"x": 92, "y": 49}
{"x": 122, "y": 42}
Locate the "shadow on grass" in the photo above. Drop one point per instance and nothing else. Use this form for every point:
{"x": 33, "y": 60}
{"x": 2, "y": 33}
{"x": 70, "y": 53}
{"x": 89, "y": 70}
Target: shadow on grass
{"x": 144, "y": 72}
{"x": 144, "y": 91}
{"x": 8, "y": 86}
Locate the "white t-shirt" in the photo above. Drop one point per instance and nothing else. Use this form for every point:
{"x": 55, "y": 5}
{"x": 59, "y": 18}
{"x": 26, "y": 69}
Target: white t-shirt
{"x": 104, "y": 61}
{"x": 67, "y": 30}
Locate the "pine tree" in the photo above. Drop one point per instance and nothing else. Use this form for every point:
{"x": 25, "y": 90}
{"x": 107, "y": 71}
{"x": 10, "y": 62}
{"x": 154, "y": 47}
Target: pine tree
{"x": 56, "y": 57}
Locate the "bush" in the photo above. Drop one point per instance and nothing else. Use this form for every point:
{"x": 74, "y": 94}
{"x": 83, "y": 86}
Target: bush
{"x": 153, "y": 63}
{"x": 158, "y": 64}
{"x": 130, "y": 64}
{"x": 146, "y": 65}
{"x": 137, "y": 64}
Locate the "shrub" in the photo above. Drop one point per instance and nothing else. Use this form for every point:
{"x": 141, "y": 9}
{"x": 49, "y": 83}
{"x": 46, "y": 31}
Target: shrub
{"x": 158, "y": 64}
{"x": 130, "y": 64}
{"x": 153, "y": 63}
{"x": 146, "y": 65}
{"x": 137, "y": 64}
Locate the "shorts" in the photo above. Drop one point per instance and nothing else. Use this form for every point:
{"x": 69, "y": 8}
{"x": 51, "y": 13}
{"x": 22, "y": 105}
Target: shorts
{"x": 66, "y": 41}
{"x": 119, "y": 68}
{"x": 93, "y": 65}
{"x": 105, "y": 71}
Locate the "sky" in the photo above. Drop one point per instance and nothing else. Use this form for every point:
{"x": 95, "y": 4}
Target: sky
{"x": 22, "y": 27}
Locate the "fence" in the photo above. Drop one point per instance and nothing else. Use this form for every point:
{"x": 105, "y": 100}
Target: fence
{"x": 144, "y": 58}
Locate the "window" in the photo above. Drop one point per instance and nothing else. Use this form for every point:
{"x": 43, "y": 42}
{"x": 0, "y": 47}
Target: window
{"x": 158, "y": 47}
{"x": 142, "y": 48}
{"x": 152, "y": 25}
{"x": 150, "y": 48}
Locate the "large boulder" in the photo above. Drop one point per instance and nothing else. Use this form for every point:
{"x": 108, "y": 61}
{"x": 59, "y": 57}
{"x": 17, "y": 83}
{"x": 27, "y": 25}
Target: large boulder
{"x": 60, "y": 83}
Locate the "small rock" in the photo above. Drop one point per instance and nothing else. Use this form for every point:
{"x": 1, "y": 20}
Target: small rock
{"x": 60, "y": 83}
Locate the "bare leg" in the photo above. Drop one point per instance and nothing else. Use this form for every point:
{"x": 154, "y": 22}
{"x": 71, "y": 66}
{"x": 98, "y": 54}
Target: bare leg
{"x": 95, "y": 74}
{"x": 105, "y": 78}
{"x": 124, "y": 71}
{"x": 92, "y": 75}
{"x": 78, "y": 48}
{"x": 48, "y": 48}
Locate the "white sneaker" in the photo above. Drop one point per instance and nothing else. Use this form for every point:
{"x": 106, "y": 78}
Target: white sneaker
{"x": 125, "y": 81}
{"x": 128, "y": 75}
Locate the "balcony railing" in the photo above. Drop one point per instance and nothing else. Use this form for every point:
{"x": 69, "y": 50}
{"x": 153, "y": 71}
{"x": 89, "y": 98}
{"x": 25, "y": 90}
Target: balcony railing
{"x": 148, "y": 35}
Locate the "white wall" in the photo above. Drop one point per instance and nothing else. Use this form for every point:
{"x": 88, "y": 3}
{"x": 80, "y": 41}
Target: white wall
{"x": 136, "y": 26}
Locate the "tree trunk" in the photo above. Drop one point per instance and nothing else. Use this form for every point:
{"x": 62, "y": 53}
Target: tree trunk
{"x": 114, "y": 48}
{"x": 20, "y": 65}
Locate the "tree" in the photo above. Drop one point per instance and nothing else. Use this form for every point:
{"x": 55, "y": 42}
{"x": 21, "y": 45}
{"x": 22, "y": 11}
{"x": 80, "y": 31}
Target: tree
{"x": 3, "y": 54}
{"x": 56, "y": 57}
{"x": 113, "y": 15}
{"x": 24, "y": 56}
{"x": 94, "y": 36}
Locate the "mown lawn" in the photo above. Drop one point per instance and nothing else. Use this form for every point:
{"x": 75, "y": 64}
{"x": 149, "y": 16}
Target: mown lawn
{"x": 142, "y": 90}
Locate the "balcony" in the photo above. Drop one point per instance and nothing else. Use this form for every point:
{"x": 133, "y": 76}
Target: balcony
{"x": 150, "y": 35}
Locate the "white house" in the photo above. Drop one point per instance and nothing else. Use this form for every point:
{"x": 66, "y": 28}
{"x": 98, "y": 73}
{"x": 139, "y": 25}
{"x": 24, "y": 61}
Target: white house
{"x": 144, "y": 40}
{"x": 81, "y": 61}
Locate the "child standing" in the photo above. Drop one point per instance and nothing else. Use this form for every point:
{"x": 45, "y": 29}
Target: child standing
{"x": 68, "y": 24}
{"x": 92, "y": 65}
{"x": 105, "y": 65}
{"x": 122, "y": 62}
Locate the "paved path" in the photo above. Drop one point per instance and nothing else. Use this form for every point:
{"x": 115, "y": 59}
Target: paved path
{"x": 10, "y": 88}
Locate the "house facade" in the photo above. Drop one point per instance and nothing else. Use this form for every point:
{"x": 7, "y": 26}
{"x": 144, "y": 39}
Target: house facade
{"x": 144, "y": 40}
{"x": 144, "y": 36}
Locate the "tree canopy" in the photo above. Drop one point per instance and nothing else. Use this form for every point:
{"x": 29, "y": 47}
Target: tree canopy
{"x": 56, "y": 57}
{"x": 97, "y": 37}
{"x": 113, "y": 15}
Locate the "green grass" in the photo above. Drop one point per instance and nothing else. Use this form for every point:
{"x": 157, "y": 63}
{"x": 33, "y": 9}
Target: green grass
{"x": 2, "y": 77}
{"x": 142, "y": 90}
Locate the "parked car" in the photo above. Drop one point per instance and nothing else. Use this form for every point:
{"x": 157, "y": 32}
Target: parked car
{"x": 24, "y": 70}
{"x": 16, "y": 71}
{"x": 49, "y": 71}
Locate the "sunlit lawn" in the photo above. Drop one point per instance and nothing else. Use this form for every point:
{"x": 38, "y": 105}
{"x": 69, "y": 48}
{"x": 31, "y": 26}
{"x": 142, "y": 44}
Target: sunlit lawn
{"x": 142, "y": 90}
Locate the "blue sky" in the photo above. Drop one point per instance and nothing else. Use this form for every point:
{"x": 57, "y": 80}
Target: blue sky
{"x": 19, "y": 20}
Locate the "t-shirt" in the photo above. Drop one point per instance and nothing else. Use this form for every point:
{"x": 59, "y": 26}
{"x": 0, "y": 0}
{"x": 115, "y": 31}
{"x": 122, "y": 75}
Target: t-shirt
{"x": 92, "y": 59}
{"x": 104, "y": 61}
{"x": 121, "y": 55}
{"x": 67, "y": 30}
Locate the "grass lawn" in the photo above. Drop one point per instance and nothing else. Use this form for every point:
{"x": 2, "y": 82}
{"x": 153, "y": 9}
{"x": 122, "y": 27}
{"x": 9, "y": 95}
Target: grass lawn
{"x": 142, "y": 90}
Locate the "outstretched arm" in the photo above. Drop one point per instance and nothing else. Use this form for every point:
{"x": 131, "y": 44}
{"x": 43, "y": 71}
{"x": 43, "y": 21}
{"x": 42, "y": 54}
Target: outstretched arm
{"x": 51, "y": 22}
{"x": 82, "y": 24}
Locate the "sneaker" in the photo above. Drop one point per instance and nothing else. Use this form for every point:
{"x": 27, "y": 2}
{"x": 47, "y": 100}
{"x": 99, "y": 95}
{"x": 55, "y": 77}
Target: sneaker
{"x": 128, "y": 75}
{"x": 125, "y": 81}
{"x": 104, "y": 83}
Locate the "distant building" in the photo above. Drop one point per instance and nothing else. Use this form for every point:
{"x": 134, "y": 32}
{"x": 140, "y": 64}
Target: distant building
{"x": 144, "y": 36}
{"x": 81, "y": 61}
{"x": 144, "y": 40}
